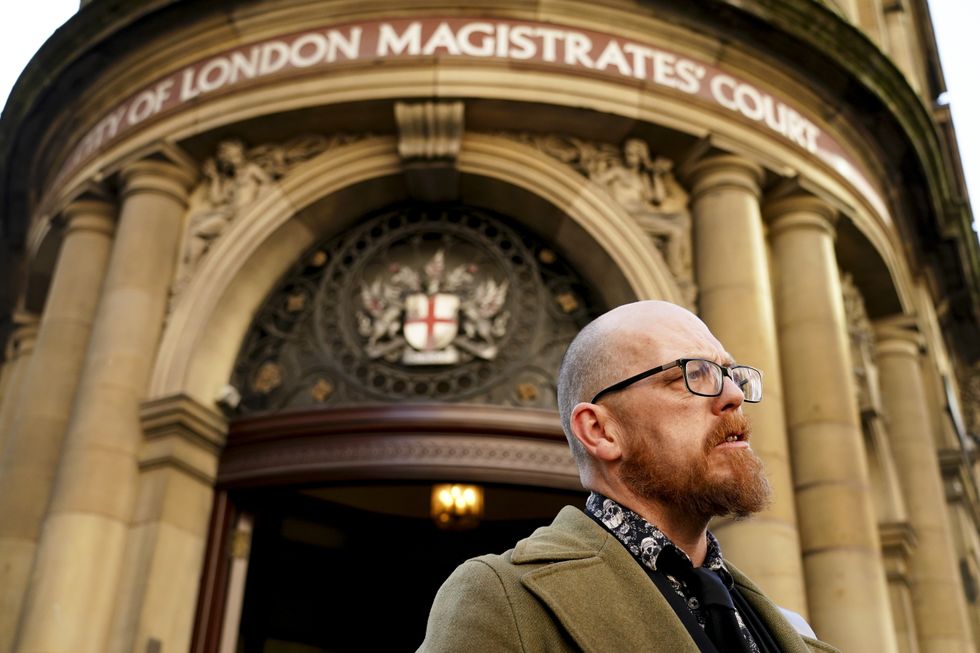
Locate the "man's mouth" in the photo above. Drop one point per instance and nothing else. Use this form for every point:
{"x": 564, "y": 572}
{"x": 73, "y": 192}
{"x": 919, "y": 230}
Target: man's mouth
{"x": 734, "y": 432}
{"x": 734, "y": 440}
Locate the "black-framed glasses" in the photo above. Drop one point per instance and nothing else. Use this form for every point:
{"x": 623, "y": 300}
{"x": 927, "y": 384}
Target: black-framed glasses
{"x": 703, "y": 378}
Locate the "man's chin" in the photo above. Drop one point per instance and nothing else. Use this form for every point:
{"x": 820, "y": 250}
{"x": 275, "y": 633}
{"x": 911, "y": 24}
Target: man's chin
{"x": 723, "y": 463}
{"x": 723, "y": 480}
{"x": 735, "y": 484}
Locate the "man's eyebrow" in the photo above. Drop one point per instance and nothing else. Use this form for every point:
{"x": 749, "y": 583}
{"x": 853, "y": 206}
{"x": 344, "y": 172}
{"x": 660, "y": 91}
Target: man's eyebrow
{"x": 727, "y": 360}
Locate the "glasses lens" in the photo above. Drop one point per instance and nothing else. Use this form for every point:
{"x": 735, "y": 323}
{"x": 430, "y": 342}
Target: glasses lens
{"x": 703, "y": 377}
{"x": 749, "y": 381}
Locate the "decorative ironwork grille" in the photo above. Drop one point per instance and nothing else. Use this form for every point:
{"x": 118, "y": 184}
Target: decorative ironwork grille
{"x": 416, "y": 303}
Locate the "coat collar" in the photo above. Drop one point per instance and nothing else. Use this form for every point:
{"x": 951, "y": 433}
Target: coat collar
{"x": 587, "y": 571}
{"x": 596, "y": 589}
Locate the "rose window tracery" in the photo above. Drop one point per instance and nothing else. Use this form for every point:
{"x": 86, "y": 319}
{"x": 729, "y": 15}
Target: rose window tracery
{"x": 417, "y": 303}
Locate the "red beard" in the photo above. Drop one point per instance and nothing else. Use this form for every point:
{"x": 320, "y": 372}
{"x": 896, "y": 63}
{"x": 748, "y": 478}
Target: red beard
{"x": 693, "y": 487}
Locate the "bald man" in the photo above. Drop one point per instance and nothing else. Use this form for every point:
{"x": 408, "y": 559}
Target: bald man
{"x": 651, "y": 404}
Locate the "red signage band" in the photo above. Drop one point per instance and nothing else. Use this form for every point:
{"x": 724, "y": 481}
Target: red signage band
{"x": 546, "y": 44}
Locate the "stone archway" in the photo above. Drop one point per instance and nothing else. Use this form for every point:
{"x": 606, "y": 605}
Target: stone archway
{"x": 209, "y": 319}
{"x": 502, "y": 446}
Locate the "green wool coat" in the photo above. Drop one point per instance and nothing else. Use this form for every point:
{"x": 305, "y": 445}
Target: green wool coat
{"x": 572, "y": 586}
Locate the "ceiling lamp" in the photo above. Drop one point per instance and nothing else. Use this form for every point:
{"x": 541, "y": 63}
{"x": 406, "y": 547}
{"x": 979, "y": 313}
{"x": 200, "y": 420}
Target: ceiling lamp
{"x": 457, "y": 506}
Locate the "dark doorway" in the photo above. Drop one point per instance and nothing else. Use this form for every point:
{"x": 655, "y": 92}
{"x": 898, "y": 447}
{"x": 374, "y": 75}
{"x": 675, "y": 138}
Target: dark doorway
{"x": 355, "y": 567}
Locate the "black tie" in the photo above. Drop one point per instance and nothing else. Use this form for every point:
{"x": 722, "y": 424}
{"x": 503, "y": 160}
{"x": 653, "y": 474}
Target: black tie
{"x": 721, "y": 624}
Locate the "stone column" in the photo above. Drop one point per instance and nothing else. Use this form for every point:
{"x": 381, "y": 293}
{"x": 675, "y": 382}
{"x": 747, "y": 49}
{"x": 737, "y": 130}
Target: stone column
{"x": 20, "y": 347}
{"x": 938, "y": 598}
{"x": 735, "y": 299}
{"x": 79, "y": 559}
{"x": 845, "y": 578}
{"x": 49, "y": 387}
{"x": 165, "y": 551}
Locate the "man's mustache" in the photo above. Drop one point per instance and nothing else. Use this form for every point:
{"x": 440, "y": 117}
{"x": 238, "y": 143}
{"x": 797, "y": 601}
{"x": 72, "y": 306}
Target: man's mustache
{"x": 731, "y": 424}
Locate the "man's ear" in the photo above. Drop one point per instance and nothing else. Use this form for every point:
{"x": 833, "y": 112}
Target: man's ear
{"x": 598, "y": 432}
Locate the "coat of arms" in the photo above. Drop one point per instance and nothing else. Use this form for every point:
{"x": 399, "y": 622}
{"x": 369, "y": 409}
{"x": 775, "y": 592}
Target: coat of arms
{"x": 432, "y": 316}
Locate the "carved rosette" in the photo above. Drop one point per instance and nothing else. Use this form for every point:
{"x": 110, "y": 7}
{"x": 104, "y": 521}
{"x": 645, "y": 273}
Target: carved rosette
{"x": 422, "y": 303}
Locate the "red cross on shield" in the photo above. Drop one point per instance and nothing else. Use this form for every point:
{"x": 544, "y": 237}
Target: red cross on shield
{"x": 431, "y": 321}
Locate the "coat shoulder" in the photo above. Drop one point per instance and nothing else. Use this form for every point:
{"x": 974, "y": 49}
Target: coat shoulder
{"x": 484, "y": 605}
{"x": 571, "y": 536}
{"x": 473, "y": 608}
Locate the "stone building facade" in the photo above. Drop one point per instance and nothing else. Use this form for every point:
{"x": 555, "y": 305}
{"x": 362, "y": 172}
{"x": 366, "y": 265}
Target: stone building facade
{"x": 273, "y": 268}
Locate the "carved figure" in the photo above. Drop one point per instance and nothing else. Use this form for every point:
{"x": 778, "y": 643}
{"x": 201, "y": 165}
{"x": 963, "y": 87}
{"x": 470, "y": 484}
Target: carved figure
{"x": 231, "y": 181}
{"x": 862, "y": 344}
{"x": 640, "y": 185}
{"x": 637, "y": 182}
{"x": 643, "y": 185}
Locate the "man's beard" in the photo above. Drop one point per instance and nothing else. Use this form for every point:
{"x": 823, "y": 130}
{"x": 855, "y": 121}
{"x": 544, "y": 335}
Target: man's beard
{"x": 693, "y": 488}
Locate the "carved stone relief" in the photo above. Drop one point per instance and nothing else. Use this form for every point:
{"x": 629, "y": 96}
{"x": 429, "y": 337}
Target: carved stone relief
{"x": 432, "y": 315}
{"x": 862, "y": 340}
{"x": 418, "y": 303}
{"x": 520, "y": 457}
{"x": 968, "y": 378}
{"x": 232, "y": 180}
{"x": 885, "y": 485}
{"x": 644, "y": 185}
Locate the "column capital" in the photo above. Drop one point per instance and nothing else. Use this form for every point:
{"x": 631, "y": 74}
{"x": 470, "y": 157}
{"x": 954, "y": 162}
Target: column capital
{"x": 799, "y": 210}
{"x": 720, "y": 171}
{"x": 957, "y": 461}
{"x": 183, "y": 433}
{"x": 157, "y": 176}
{"x": 898, "y": 336}
{"x": 898, "y": 543}
{"x": 24, "y": 334}
{"x": 89, "y": 214}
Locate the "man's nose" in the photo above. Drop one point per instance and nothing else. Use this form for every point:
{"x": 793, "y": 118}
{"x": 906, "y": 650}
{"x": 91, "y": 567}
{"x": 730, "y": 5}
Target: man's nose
{"x": 731, "y": 397}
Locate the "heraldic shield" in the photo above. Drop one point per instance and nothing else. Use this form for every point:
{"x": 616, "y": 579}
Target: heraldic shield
{"x": 431, "y": 321}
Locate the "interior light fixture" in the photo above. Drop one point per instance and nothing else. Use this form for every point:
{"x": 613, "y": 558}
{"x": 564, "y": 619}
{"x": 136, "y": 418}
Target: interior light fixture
{"x": 457, "y": 506}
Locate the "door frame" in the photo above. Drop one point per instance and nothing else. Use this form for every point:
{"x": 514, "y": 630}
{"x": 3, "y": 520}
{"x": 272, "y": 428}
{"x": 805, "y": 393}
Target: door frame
{"x": 425, "y": 441}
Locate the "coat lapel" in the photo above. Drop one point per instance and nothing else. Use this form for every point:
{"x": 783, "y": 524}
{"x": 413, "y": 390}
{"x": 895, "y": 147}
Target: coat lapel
{"x": 596, "y": 590}
{"x": 781, "y": 630}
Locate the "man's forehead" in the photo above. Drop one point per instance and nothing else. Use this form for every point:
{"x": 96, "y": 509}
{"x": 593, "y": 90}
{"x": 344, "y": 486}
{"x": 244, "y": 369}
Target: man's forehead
{"x": 677, "y": 339}
{"x": 656, "y": 316}
{"x": 673, "y": 351}
{"x": 659, "y": 329}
